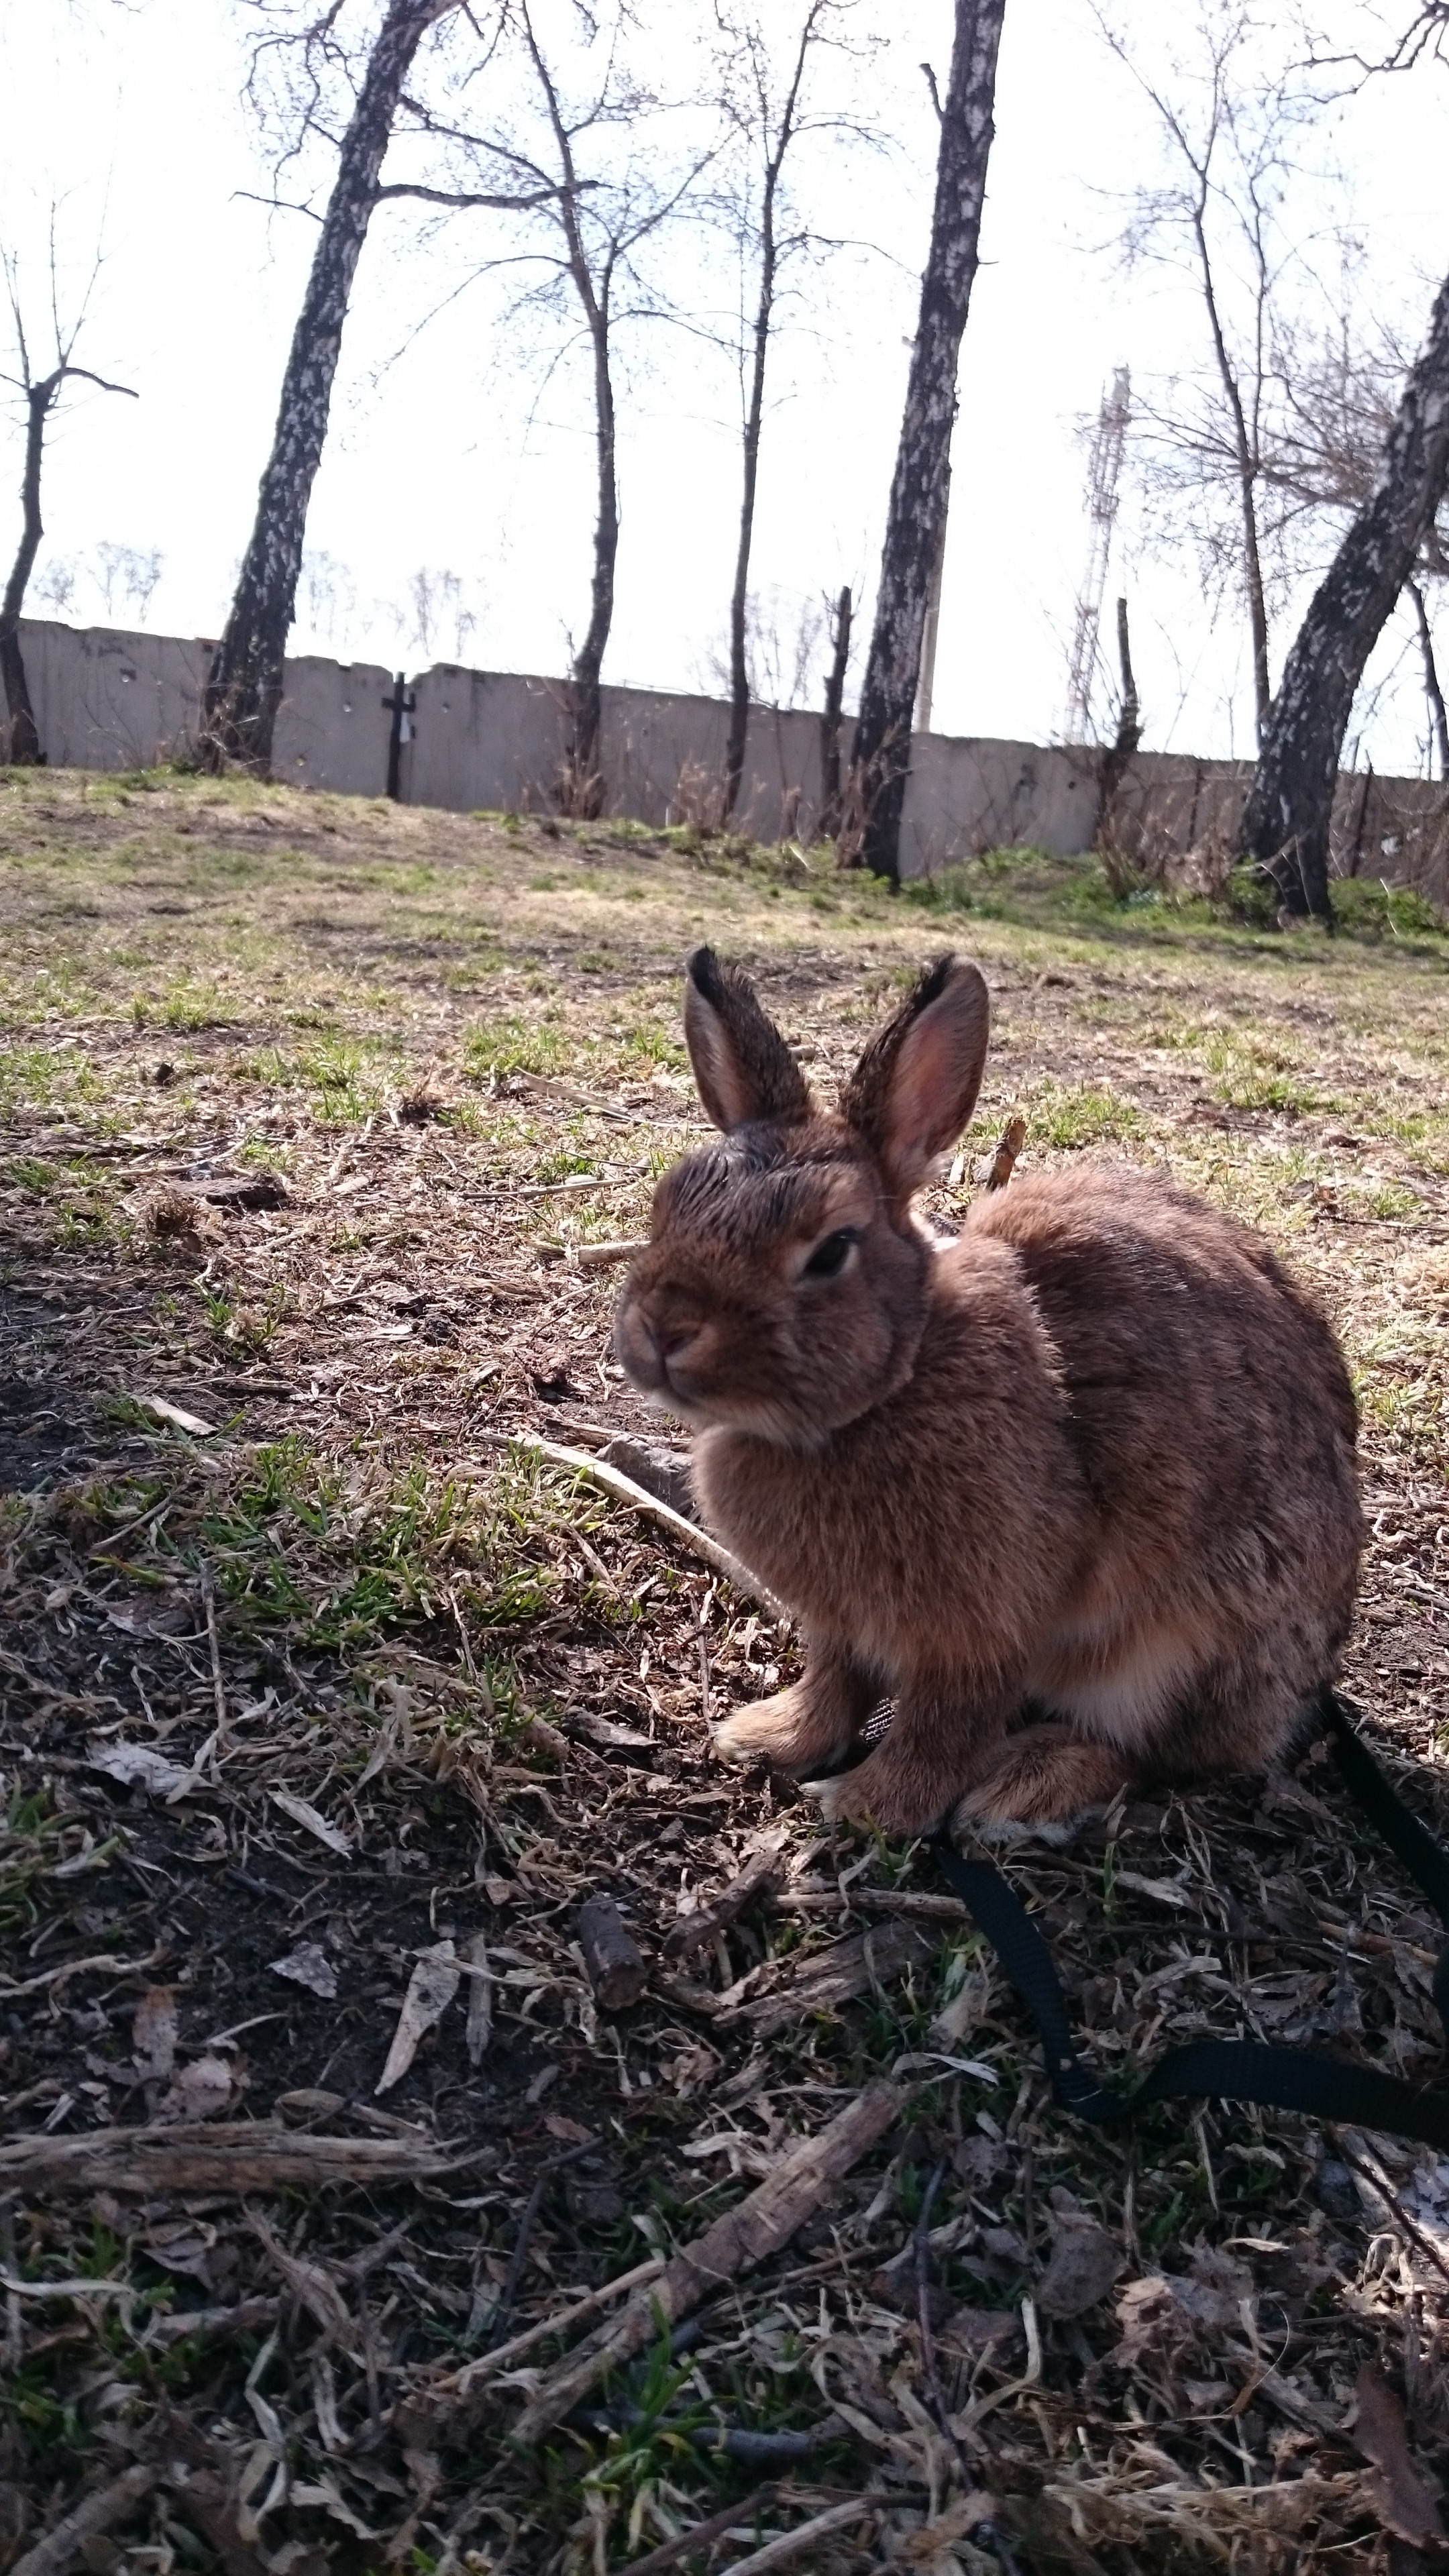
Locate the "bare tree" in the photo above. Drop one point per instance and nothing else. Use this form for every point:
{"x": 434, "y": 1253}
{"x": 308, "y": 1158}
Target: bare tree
{"x": 880, "y": 754}
{"x": 764, "y": 104}
{"x": 1230, "y": 129}
{"x": 1290, "y": 804}
{"x": 244, "y": 685}
{"x": 39, "y": 396}
{"x": 594, "y": 206}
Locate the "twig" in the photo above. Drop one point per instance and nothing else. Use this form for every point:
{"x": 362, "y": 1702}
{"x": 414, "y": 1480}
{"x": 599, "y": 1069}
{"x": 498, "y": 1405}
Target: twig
{"x": 699, "y": 2535}
{"x": 93, "y": 2515}
{"x": 923, "y": 2294}
{"x": 1379, "y": 2182}
{"x": 601, "y": 1256}
{"x": 561, "y": 2322}
{"x": 531, "y": 2207}
{"x": 612, "y": 1480}
{"x": 792, "y": 2544}
{"x": 764, "y": 2221}
{"x": 78, "y": 1968}
{"x": 208, "y": 1603}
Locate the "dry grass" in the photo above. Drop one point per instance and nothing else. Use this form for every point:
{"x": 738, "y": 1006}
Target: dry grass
{"x": 307, "y": 1106}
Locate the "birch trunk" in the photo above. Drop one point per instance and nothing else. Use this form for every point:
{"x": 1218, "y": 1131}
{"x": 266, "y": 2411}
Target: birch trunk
{"x": 25, "y": 750}
{"x": 1290, "y": 803}
{"x": 582, "y": 786}
{"x": 244, "y": 685}
{"x": 880, "y": 757}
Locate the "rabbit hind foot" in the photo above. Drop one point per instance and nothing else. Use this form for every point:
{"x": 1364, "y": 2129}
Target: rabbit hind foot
{"x": 1043, "y": 1784}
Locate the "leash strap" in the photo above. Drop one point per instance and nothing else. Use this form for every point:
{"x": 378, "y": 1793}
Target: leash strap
{"x": 1280, "y": 2079}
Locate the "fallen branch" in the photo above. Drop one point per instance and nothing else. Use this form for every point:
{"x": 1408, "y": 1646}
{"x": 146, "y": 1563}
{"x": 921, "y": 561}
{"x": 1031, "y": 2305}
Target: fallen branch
{"x": 93, "y": 2515}
{"x": 240, "y": 2156}
{"x": 996, "y": 1170}
{"x": 601, "y": 1256}
{"x": 612, "y": 1480}
{"x": 764, "y": 2221}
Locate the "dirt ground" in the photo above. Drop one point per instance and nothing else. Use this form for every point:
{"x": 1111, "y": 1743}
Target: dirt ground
{"x": 328, "y": 1698}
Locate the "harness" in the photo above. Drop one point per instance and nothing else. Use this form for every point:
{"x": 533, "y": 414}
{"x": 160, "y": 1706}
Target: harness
{"x": 1281, "y": 2079}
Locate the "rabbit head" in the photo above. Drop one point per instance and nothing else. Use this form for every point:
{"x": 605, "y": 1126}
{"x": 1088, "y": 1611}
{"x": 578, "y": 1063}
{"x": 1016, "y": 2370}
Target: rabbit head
{"x": 783, "y": 1290}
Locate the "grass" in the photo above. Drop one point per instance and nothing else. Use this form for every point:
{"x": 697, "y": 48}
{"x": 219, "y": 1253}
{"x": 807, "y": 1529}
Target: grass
{"x": 419, "y": 1020}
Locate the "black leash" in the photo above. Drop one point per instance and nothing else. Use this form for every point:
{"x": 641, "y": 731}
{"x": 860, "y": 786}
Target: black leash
{"x": 1281, "y": 2079}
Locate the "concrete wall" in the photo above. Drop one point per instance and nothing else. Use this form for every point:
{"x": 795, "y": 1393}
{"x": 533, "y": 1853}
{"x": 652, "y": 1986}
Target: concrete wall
{"x": 493, "y": 741}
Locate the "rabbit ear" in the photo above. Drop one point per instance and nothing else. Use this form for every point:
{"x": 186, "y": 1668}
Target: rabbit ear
{"x": 741, "y": 1063}
{"x": 915, "y": 1087}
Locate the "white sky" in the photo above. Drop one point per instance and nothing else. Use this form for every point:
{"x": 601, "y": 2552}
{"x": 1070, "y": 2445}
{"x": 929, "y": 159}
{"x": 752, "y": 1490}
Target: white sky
{"x": 450, "y": 458}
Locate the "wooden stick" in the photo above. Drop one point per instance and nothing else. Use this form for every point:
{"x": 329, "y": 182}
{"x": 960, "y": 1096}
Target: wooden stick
{"x": 764, "y": 2221}
{"x": 94, "y": 2514}
{"x": 462, "y": 2382}
{"x": 612, "y": 1480}
{"x": 601, "y": 1256}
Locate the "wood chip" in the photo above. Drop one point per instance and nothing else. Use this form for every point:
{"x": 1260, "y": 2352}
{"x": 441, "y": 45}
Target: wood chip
{"x": 176, "y": 1415}
{"x": 612, "y": 1956}
{"x": 479, "y": 2028}
{"x": 854, "y": 1966}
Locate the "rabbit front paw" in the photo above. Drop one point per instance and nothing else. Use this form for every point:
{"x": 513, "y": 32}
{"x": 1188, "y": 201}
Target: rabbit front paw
{"x": 790, "y": 1732}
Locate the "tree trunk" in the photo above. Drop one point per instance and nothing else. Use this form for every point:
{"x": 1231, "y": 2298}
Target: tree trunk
{"x": 1289, "y": 808}
{"x": 880, "y": 756}
{"x": 1117, "y": 759}
{"x": 25, "y": 749}
{"x": 829, "y": 823}
{"x": 582, "y": 787}
{"x": 244, "y": 685}
{"x": 764, "y": 316}
{"x": 739, "y": 676}
{"x": 1434, "y": 694}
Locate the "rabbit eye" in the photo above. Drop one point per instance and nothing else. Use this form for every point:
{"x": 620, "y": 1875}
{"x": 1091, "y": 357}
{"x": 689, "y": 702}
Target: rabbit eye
{"x": 830, "y": 1257}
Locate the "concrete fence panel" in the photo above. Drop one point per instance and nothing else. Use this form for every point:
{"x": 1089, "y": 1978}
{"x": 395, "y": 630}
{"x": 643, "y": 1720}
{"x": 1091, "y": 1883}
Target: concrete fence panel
{"x": 485, "y": 740}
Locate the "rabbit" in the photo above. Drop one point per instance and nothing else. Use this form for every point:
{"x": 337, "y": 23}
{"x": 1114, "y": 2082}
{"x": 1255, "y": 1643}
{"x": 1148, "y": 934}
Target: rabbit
{"x": 1076, "y": 1490}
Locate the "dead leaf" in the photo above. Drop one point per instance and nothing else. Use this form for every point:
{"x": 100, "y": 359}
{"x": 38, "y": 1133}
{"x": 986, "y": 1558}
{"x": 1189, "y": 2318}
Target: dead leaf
{"x": 308, "y": 1965}
{"x": 175, "y": 1414}
{"x": 431, "y": 1988}
{"x": 302, "y": 1814}
{"x": 153, "y": 2033}
{"x": 202, "y": 2091}
{"x": 571, "y": 2131}
{"x": 136, "y": 1765}
{"x": 1401, "y": 2494}
{"x": 1084, "y": 2263}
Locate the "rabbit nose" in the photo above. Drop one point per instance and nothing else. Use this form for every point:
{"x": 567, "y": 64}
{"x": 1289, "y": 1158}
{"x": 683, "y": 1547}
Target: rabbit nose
{"x": 671, "y": 1337}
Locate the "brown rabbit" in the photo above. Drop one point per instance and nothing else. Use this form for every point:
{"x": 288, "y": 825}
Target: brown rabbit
{"x": 1076, "y": 1490}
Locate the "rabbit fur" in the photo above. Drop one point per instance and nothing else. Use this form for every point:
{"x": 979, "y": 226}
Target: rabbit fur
{"x": 1076, "y": 1490}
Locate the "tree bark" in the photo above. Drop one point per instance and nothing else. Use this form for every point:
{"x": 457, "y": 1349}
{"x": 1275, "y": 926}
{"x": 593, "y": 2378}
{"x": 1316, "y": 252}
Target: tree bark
{"x": 244, "y": 685}
{"x": 1433, "y": 692}
{"x": 880, "y": 756}
{"x": 25, "y": 749}
{"x": 830, "y": 721}
{"x": 1289, "y": 807}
